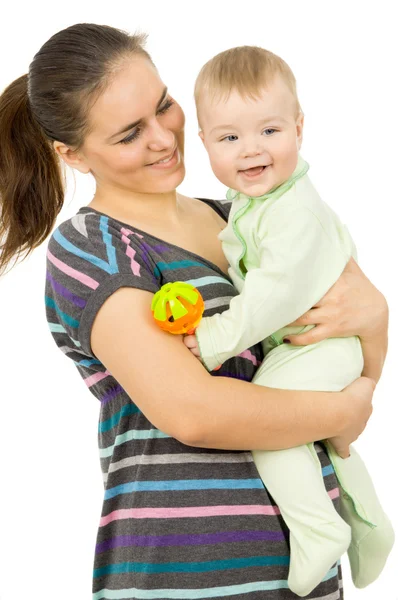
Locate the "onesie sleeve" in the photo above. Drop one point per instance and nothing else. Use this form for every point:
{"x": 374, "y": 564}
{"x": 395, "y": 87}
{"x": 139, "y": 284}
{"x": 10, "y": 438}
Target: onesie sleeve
{"x": 299, "y": 262}
{"x": 88, "y": 258}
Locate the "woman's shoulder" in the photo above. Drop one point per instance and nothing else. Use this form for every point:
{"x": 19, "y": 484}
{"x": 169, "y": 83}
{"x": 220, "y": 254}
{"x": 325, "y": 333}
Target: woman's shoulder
{"x": 87, "y": 226}
{"x": 90, "y": 238}
{"x": 222, "y": 207}
{"x": 90, "y": 256}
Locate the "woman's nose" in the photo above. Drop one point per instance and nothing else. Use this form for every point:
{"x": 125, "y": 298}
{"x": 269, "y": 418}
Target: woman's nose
{"x": 160, "y": 138}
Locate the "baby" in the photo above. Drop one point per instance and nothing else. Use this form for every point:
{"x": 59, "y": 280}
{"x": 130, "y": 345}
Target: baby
{"x": 285, "y": 248}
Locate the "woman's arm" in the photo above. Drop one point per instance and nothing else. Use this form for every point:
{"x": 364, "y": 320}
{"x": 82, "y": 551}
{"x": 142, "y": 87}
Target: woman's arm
{"x": 180, "y": 398}
{"x": 352, "y": 306}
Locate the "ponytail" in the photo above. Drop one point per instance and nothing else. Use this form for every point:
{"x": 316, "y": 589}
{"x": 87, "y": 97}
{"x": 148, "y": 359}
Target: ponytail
{"x": 31, "y": 186}
{"x": 52, "y": 103}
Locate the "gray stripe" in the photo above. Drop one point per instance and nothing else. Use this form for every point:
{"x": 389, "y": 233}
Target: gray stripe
{"x": 67, "y": 349}
{"x": 79, "y": 223}
{"x": 333, "y": 596}
{"x": 216, "y": 302}
{"x": 167, "y": 459}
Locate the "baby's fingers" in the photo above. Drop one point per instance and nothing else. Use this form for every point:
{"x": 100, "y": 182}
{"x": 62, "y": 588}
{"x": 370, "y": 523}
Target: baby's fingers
{"x": 192, "y": 344}
{"x": 190, "y": 341}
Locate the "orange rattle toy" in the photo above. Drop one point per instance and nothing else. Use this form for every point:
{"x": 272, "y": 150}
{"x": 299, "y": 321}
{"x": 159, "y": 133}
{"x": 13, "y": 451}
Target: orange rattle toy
{"x": 177, "y": 307}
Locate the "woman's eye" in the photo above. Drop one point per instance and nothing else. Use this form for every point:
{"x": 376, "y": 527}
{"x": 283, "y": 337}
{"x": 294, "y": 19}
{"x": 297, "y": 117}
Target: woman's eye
{"x": 133, "y": 136}
{"x": 230, "y": 138}
{"x": 138, "y": 130}
{"x": 269, "y": 131}
{"x": 165, "y": 107}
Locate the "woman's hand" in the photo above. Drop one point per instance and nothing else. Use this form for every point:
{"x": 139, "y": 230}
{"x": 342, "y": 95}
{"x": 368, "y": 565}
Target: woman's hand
{"x": 357, "y": 408}
{"x": 352, "y": 306}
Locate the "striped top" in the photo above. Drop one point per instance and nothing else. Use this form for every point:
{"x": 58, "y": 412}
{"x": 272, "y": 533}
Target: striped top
{"x": 177, "y": 522}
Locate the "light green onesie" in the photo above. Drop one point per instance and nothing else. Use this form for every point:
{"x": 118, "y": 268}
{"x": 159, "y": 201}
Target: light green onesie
{"x": 286, "y": 249}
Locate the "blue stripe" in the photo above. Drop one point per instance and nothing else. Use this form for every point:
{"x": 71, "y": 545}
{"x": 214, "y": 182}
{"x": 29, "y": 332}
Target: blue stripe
{"x": 198, "y": 594}
{"x": 194, "y": 567}
{"x": 128, "y": 409}
{"x": 94, "y": 260}
{"x": 201, "y": 281}
{"x": 132, "y": 434}
{"x": 56, "y": 328}
{"x": 66, "y": 318}
{"x": 88, "y": 363}
{"x": 178, "y": 264}
{"x": 327, "y": 470}
{"x": 184, "y": 484}
{"x": 110, "y": 250}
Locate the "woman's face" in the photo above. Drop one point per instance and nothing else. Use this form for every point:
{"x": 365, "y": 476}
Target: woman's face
{"x": 136, "y": 133}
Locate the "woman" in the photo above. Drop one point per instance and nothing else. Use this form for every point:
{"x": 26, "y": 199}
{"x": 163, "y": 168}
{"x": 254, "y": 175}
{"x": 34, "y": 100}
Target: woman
{"x": 185, "y": 514}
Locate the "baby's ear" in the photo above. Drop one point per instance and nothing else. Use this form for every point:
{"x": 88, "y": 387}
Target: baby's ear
{"x": 299, "y": 129}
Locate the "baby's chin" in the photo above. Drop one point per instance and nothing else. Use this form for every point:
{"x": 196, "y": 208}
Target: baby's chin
{"x": 253, "y": 189}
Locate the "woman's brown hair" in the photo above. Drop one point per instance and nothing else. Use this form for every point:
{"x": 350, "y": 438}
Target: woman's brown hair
{"x": 51, "y": 102}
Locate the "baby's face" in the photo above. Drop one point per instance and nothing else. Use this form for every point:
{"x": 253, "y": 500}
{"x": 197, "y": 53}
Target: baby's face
{"x": 253, "y": 145}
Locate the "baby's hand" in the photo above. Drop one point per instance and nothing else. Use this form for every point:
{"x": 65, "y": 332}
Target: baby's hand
{"x": 192, "y": 343}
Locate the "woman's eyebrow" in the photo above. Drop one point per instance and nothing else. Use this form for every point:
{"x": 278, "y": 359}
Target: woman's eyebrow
{"x": 132, "y": 125}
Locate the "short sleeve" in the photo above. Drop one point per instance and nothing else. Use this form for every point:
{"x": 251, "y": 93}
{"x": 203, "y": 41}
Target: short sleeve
{"x": 224, "y": 206}
{"x": 89, "y": 257}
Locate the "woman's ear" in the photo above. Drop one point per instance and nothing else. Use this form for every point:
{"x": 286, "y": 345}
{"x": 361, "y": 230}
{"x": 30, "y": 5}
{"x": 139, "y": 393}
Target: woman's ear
{"x": 71, "y": 157}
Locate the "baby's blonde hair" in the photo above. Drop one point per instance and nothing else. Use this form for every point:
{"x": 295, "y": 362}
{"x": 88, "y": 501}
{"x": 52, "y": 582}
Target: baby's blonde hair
{"x": 246, "y": 69}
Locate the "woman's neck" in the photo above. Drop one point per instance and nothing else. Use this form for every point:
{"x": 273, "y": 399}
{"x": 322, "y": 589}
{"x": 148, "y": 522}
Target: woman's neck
{"x": 132, "y": 206}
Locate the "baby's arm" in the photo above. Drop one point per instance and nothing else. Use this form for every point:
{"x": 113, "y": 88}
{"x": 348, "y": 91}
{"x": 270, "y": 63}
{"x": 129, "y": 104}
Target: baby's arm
{"x": 298, "y": 264}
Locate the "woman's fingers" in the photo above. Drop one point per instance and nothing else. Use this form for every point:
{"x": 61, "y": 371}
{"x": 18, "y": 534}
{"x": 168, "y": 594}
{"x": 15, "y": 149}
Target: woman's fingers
{"x": 357, "y": 410}
{"x": 313, "y": 336}
{"x": 341, "y": 448}
{"x": 314, "y": 316}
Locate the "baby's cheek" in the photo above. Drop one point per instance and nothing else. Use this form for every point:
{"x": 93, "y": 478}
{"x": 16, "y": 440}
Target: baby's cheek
{"x": 221, "y": 165}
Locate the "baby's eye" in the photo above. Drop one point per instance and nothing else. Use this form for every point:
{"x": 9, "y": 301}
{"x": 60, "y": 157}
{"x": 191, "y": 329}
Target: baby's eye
{"x": 269, "y": 131}
{"x": 230, "y": 138}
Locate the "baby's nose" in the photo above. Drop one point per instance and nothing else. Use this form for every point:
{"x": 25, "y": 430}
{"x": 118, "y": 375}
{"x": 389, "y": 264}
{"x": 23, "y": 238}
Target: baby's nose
{"x": 252, "y": 148}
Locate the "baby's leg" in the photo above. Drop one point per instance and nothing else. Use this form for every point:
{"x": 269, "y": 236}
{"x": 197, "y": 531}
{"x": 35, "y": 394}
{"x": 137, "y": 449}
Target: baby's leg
{"x": 330, "y": 366}
{"x": 318, "y": 535}
{"x": 372, "y": 532}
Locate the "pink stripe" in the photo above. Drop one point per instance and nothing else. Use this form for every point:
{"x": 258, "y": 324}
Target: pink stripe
{"x": 85, "y": 279}
{"x": 126, "y": 231}
{"x": 89, "y": 381}
{"x": 247, "y": 354}
{"x": 335, "y": 493}
{"x": 187, "y": 512}
{"x": 130, "y": 252}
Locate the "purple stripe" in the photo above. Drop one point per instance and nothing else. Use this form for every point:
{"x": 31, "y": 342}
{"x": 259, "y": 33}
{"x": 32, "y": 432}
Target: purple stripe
{"x": 190, "y": 540}
{"x": 222, "y": 373}
{"x": 112, "y": 393}
{"x": 148, "y": 263}
{"x": 62, "y": 291}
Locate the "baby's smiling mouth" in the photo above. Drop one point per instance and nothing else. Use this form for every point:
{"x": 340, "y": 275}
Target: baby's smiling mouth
{"x": 253, "y": 171}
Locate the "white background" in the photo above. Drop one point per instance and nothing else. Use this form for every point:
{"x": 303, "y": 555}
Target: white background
{"x": 344, "y": 57}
